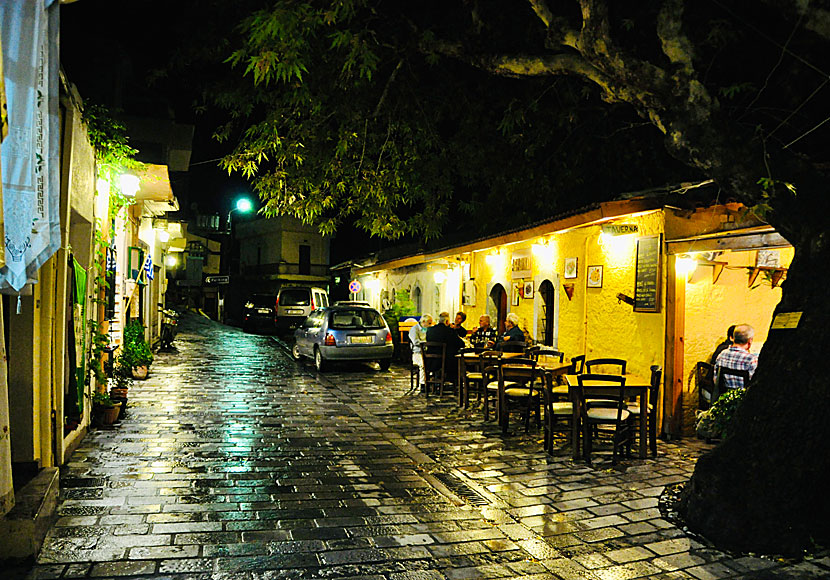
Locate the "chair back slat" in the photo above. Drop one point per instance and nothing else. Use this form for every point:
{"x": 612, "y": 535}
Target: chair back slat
{"x": 591, "y": 366}
{"x": 577, "y": 365}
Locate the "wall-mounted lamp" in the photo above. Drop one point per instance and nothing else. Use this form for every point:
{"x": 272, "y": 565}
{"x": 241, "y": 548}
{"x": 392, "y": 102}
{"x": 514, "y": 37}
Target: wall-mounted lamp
{"x": 129, "y": 184}
{"x": 163, "y": 236}
{"x": 685, "y": 265}
{"x": 439, "y": 277}
{"x": 171, "y": 261}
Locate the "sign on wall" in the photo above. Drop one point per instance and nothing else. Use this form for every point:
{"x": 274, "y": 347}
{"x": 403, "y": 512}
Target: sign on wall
{"x": 520, "y": 266}
{"x": 647, "y": 274}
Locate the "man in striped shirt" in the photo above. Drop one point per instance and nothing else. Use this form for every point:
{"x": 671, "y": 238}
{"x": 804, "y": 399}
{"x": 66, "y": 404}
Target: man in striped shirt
{"x": 738, "y": 357}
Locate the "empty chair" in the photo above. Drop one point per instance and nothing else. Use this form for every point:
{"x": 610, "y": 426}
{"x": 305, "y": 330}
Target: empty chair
{"x": 434, "y": 366}
{"x": 490, "y": 362}
{"x": 653, "y": 396}
{"x": 518, "y": 388}
{"x": 577, "y": 365}
{"x": 556, "y": 412}
{"x": 606, "y": 419}
{"x": 471, "y": 374}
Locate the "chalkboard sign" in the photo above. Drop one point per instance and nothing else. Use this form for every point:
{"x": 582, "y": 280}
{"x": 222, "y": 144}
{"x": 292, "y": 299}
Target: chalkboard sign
{"x": 647, "y": 274}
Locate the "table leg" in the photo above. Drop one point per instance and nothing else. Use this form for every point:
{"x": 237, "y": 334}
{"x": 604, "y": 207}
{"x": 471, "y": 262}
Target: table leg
{"x": 575, "y": 427}
{"x": 643, "y": 424}
{"x": 462, "y": 384}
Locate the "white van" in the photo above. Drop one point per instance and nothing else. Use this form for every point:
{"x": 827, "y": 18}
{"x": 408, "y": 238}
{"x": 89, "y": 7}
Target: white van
{"x": 295, "y": 303}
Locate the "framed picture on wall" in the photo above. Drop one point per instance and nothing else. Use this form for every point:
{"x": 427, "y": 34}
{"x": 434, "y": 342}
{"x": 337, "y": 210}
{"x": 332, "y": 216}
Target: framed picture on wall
{"x": 528, "y": 291}
{"x": 594, "y": 276}
{"x": 570, "y": 267}
{"x": 517, "y": 291}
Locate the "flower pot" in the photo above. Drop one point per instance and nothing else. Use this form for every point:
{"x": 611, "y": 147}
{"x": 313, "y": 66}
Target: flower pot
{"x": 140, "y": 372}
{"x": 123, "y": 402}
{"x": 118, "y": 393}
{"x": 109, "y": 415}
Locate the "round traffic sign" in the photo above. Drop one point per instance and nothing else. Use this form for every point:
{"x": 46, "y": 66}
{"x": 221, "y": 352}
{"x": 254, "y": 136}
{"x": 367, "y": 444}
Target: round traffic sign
{"x": 354, "y": 286}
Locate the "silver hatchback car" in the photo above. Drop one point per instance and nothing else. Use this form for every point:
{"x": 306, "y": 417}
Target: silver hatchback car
{"x": 344, "y": 333}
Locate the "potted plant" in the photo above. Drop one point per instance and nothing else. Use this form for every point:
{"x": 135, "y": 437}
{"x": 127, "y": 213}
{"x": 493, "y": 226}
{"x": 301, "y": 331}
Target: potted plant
{"x": 136, "y": 356}
{"x": 104, "y": 409}
{"x": 119, "y": 386}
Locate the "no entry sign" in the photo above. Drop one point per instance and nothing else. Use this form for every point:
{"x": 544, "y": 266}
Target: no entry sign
{"x": 354, "y": 286}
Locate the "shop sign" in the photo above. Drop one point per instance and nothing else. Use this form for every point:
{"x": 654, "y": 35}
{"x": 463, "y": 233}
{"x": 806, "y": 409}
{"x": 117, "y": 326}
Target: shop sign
{"x": 620, "y": 229}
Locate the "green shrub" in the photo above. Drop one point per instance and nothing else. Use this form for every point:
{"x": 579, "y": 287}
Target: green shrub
{"x": 135, "y": 351}
{"x": 714, "y": 423}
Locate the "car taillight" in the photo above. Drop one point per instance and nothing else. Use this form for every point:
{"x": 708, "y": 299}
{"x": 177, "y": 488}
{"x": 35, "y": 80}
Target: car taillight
{"x": 329, "y": 341}
{"x": 388, "y": 337}
{"x": 312, "y": 304}
{"x": 277, "y": 302}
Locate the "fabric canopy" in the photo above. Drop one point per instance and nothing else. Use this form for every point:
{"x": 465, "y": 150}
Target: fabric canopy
{"x": 30, "y": 153}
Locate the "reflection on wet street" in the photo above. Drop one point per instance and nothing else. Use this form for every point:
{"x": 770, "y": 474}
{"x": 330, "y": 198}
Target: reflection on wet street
{"x": 235, "y": 462}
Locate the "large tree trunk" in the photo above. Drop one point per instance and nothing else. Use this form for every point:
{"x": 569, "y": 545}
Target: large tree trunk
{"x": 764, "y": 488}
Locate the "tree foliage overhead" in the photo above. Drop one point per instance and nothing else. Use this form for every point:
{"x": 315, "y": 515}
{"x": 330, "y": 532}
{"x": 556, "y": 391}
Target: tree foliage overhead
{"x": 349, "y": 113}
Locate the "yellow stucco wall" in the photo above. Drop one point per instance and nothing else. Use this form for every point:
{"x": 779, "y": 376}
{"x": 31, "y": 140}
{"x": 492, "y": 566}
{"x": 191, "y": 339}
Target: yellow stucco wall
{"x": 593, "y": 321}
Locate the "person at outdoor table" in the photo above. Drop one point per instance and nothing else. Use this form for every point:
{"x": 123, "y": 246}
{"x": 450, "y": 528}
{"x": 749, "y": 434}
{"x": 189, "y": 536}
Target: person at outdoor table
{"x": 460, "y": 317}
{"x": 738, "y": 357}
{"x": 417, "y": 335}
{"x": 441, "y": 332}
{"x": 484, "y": 336}
{"x": 724, "y": 345}
{"x": 513, "y": 339}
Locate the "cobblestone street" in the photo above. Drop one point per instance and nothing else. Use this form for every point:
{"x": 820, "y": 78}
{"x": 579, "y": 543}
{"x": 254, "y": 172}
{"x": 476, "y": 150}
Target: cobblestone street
{"x": 235, "y": 462}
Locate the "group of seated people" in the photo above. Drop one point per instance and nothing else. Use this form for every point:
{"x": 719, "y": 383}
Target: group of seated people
{"x": 453, "y": 334}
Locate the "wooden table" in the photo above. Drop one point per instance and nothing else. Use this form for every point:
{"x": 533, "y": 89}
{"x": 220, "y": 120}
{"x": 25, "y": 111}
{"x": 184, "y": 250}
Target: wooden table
{"x": 635, "y": 386}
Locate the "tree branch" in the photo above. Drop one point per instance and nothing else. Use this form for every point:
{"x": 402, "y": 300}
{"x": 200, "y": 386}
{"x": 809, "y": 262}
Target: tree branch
{"x": 540, "y": 7}
{"x": 675, "y": 44}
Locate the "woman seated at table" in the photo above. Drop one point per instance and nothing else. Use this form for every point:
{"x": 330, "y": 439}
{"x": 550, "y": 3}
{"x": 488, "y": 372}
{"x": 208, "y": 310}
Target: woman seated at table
{"x": 513, "y": 339}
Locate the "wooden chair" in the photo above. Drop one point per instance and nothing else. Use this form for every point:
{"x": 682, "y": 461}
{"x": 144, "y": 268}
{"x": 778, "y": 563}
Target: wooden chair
{"x": 577, "y": 365}
{"x": 653, "y": 396}
{"x": 471, "y": 373}
{"x": 611, "y": 388}
{"x": 723, "y": 372}
{"x": 517, "y": 385}
{"x": 435, "y": 354}
{"x": 555, "y": 411}
{"x": 705, "y": 381}
{"x": 490, "y": 361}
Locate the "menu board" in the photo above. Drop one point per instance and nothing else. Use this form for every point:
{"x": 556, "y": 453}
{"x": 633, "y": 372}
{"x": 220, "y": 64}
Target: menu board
{"x": 647, "y": 274}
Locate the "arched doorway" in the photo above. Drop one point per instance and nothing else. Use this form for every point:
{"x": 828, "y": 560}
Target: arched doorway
{"x": 547, "y": 315}
{"x": 416, "y": 299}
{"x": 498, "y": 297}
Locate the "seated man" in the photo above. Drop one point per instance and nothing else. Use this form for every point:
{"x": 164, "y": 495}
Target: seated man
{"x": 442, "y": 332}
{"x": 458, "y": 325}
{"x": 513, "y": 339}
{"x": 737, "y": 357}
{"x": 484, "y": 336}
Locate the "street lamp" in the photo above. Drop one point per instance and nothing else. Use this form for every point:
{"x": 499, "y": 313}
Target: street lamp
{"x": 243, "y": 205}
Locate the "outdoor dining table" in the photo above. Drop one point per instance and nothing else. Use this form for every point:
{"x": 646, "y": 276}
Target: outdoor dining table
{"x": 635, "y": 386}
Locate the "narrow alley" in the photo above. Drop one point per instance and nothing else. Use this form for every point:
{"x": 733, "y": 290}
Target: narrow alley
{"x": 233, "y": 461}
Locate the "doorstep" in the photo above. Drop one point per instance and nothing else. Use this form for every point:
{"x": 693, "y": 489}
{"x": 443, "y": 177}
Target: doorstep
{"x": 25, "y": 526}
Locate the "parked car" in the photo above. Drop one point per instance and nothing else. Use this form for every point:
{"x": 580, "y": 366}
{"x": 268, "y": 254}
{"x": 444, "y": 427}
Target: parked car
{"x": 258, "y": 312}
{"x": 344, "y": 333}
{"x": 295, "y": 303}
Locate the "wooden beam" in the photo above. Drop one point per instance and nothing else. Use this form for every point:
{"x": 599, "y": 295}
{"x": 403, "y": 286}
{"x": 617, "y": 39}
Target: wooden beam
{"x": 746, "y": 241}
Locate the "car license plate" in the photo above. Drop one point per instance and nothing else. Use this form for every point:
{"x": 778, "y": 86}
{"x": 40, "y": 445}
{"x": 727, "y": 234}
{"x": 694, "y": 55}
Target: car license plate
{"x": 263, "y": 310}
{"x": 294, "y": 311}
{"x": 361, "y": 340}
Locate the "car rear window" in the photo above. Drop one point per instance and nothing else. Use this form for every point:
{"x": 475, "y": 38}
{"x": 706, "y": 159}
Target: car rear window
{"x": 295, "y": 297}
{"x": 357, "y": 318}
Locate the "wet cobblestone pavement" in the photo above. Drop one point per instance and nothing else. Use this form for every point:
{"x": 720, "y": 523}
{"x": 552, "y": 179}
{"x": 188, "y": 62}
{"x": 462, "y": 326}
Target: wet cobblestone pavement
{"x": 234, "y": 462}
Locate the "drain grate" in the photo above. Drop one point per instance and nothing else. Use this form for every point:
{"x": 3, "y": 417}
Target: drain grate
{"x": 461, "y": 489}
